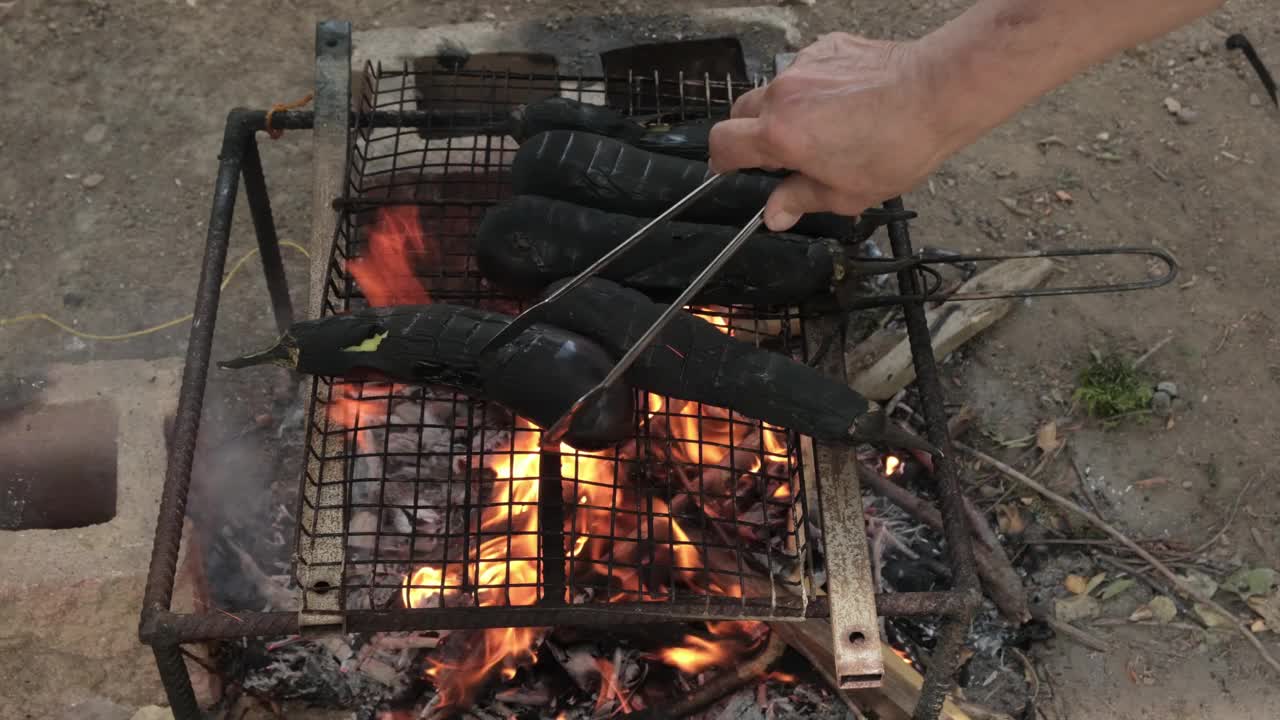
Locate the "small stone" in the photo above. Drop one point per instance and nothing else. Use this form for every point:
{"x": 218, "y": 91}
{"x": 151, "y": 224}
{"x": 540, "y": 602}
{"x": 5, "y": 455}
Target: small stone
{"x": 1172, "y": 106}
{"x": 262, "y": 420}
{"x": 1167, "y": 386}
{"x": 92, "y": 181}
{"x": 1161, "y": 404}
{"x": 1104, "y": 136}
{"x": 1204, "y": 47}
{"x": 1255, "y": 100}
{"x": 95, "y": 134}
{"x": 1186, "y": 484}
{"x": 1186, "y": 116}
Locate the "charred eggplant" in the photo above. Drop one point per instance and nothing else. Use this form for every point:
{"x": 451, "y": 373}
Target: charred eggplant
{"x": 689, "y": 139}
{"x": 538, "y": 375}
{"x": 692, "y": 360}
{"x": 527, "y": 242}
{"x": 608, "y": 174}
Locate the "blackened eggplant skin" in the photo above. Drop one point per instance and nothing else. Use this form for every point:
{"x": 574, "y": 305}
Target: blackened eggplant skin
{"x": 527, "y": 242}
{"x": 694, "y": 361}
{"x": 538, "y": 375}
{"x": 689, "y": 139}
{"x": 608, "y": 174}
{"x": 561, "y": 113}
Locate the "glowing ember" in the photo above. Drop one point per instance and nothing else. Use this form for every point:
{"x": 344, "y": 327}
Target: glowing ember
{"x": 902, "y": 655}
{"x": 892, "y": 465}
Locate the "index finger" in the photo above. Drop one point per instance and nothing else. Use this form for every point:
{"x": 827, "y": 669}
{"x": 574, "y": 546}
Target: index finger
{"x": 736, "y": 144}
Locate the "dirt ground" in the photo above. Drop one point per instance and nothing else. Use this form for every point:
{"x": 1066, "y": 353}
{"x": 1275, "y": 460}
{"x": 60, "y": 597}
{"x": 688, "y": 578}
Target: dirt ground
{"x": 115, "y": 112}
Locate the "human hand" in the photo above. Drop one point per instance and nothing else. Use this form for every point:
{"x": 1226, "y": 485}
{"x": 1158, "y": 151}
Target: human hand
{"x": 855, "y": 120}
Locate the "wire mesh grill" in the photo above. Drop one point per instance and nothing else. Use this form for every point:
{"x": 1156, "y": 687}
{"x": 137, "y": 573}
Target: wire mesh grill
{"x": 446, "y": 501}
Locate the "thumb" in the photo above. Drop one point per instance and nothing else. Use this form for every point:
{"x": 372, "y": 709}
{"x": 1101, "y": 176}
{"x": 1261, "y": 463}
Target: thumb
{"x": 795, "y": 195}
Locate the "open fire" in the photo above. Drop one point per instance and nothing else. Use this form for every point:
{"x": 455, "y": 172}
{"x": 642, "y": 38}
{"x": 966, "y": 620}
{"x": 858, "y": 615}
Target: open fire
{"x": 725, "y": 467}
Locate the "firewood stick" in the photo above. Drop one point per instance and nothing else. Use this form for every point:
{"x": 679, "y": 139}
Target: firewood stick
{"x": 721, "y": 685}
{"x": 960, "y": 322}
{"x": 1181, "y": 585}
{"x": 998, "y": 577}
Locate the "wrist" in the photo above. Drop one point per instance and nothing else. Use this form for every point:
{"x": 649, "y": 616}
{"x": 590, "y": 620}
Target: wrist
{"x": 960, "y": 102}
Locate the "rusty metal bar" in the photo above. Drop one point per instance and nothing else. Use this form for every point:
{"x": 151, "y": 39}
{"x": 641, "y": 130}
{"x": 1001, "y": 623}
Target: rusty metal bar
{"x": 264, "y": 226}
{"x": 850, "y": 590}
{"x": 177, "y": 481}
{"x": 942, "y": 668}
{"x": 322, "y": 558}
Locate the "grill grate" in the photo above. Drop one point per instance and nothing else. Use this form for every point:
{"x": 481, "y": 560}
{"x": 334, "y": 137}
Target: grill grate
{"x": 700, "y": 514}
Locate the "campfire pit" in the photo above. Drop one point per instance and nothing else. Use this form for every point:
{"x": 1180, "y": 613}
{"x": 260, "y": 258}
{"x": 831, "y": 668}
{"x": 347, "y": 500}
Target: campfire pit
{"x": 424, "y": 509}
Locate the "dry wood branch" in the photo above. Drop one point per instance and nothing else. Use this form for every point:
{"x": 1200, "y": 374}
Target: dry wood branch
{"x": 999, "y": 579}
{"x": 726, "y": 682}
{"x": 1081, "y": 636}
{"x": 960, "y": 322}
{"x": 1181, "y": 585}
{"x": 1231, "y": 518}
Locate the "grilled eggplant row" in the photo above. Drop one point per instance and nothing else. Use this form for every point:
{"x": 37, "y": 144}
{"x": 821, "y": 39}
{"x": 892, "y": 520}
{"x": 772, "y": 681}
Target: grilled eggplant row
{"x": 527, "y": 242}
{"x": 538, "y": 375}
{"x": 544, "y": 370}
{"x": 610, "y": 175}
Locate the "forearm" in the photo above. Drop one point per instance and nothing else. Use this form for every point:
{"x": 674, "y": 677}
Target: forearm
{"x": 1000, "y": 55}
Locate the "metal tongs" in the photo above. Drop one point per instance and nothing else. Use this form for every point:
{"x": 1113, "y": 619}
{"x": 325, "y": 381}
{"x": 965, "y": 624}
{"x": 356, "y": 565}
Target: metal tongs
{"x": 551, "y": 436}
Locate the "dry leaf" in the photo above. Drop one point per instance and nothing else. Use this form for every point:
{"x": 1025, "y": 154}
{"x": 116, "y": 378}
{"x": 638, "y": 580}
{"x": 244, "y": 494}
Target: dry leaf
{"x": 1010, "y": 520}
{"x": 1247, "y": 582}
{"x": 1063, "y": 195}
{"x": 1076, "y": 584}
{"x": 1152, "y": 482}
{"x": 1210, "y": 616}
{"x": 1115, "y": 588}
{"x": 1142, "y": 613}
{"x": 1047, "y": 438}
{"x": 1201, "y": 583}
{"x": 1163, "y": 609}
{"x": 1095, "y": 581}
{"x": 1076, "y": 607}
{"x": 1268, "y": 608}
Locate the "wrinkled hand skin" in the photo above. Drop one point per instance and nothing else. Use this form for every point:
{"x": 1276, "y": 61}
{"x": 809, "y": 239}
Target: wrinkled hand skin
{"x": 851, "y": 117}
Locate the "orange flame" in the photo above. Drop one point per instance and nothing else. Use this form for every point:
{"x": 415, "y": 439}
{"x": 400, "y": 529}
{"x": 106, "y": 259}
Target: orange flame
{"x": 609, "y": 539}
{"x": 731, "y": 641}
{"x": 714, "y": 315}
{"x": 385, "y": 271}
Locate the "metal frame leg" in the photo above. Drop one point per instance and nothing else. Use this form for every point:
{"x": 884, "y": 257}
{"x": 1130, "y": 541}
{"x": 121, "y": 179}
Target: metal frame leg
{"x": 177, "y": 682}
{"x": 942, "y": 669}
{"x": 264, "y": 225}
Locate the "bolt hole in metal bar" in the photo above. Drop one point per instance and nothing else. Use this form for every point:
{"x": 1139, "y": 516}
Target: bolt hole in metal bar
{"x": 700, "y": 507}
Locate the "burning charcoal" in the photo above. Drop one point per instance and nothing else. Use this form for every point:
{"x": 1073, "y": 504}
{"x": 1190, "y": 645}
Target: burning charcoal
{"x": 528, "y": 242}
{"x": 441, "y": 344}
{"x": 607, "y": 174}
